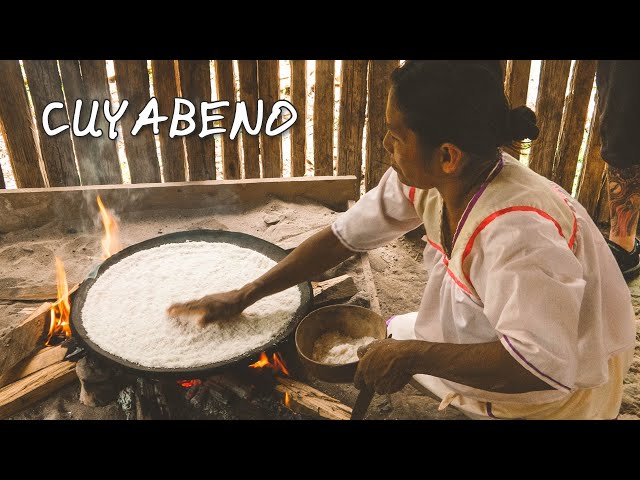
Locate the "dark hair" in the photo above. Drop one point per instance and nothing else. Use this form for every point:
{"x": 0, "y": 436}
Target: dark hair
{"x": 462, "y": 102}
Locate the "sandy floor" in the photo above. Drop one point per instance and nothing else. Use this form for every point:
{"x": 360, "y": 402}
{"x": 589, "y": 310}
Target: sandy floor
{"x": 397, "y": 268}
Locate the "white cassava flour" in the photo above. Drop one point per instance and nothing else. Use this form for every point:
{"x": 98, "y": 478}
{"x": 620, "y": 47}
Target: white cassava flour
{"x": 336, "y": 348}
{"x": 125, "y": 310}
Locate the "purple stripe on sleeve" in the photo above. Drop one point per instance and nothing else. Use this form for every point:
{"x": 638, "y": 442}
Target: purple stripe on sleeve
{"x": 532, "y": 366}
{"x": 389, "y": 320}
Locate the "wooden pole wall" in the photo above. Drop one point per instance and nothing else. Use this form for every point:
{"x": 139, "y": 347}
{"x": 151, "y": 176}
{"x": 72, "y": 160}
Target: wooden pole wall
{"x": 269, "y": 90}
{"x": 248, "y": 73}
{"x": 226, "y": 91}
{"x": 298, "y": 131}
{"x": 323, "y": 118}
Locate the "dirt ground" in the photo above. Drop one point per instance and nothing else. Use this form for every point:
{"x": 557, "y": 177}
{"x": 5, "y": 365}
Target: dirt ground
{"x": 398, "y": 271}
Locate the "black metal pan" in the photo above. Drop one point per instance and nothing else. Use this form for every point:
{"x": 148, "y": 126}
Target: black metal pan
{"x": 235, "y": 238}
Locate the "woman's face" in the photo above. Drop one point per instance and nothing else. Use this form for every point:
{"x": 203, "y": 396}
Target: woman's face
{"x": 413, "y": 166}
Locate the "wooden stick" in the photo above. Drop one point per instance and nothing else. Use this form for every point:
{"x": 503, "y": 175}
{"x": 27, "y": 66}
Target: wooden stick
{"x": 22, "y": 341}
{"x": 28, "y": 390}
{"x": 306, "y": 399}
{"x": 248, "y": 73}
{"x": 57, "y": 151}
{"x": 353, "y": 101}
{"x": 16, "y": 126}
{"x": 132, "y": 79}
{"x": 269, "y": 91}
{"x": 42, "y": 359}
{"x": 298, "y": 131}
{"x": 323, "y": 118}
{"x": 593, "y": 168}
{"x": 165, "y": 88}
{"x": 227, "y": 91}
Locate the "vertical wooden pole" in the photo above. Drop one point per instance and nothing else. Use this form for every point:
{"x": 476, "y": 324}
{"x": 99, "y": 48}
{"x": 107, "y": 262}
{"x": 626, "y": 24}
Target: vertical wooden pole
{"x": 593, "y": 168}
{"x": 323, "y": 118}
{"x": 270, "y": 147}
{"x": 353, "y": 102}
{"x": 16, "y": 126}
{"x": 377, "y": 161}
{"x": 516, "y": 88}
{"x": 165, "y": 87}
{"x": 298, "y": 131}
{"x": 132, "y": 79}
{"x": 248, "y": 73}
{"x": 195, "y": 86}
{"x": 226, "y": 91}
{"x": 57, "y": 151}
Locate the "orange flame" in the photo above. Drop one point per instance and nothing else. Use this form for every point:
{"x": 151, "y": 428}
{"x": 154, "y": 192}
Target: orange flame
{"x": 61, "y": 309}
{"x": 287, "y": 400}
{"x": 190, "y": 383}
{"x": 111, "y": 240}
{"x": 278, "y": 364}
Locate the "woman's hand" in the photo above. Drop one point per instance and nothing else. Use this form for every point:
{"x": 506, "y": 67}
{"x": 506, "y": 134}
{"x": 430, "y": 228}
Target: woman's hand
{"x": 218, "y": 306}
{"x": 385, "y": 366}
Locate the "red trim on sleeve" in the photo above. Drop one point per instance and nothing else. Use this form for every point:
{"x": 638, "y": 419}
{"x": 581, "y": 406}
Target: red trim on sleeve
{"x": 445, "y": 260}
{"x": 412, "y": 194}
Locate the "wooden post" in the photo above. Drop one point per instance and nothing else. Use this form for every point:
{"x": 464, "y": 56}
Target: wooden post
{"x": 573, "y": 123}
{"x": 592, "y": 169}
{"x": 165, "y": 88}
{"x": 269, "y": 90}
{"x": 377, "y": 160}
{"x": 105, "y": 162}
{"x": 248, "y": 73}
{"x": 132, "y": 79}
{"x": 195, "y": 85}
{"x": 16, "y": 126}
{"x": 323, "y": 118}
{"x": 298, "y": 131}
{"x": 353, "y": 101}
{"x": 549, "y": 105}
{"x": 227, "y": 91}
{"x": 516, "y": 88}
{"x": 57, "y": 151}
{"x": 2, "y": 184}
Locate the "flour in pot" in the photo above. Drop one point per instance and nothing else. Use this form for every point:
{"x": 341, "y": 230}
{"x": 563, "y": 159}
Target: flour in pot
{"x": 125, "y": 309}
{"x": 336, "y": 348}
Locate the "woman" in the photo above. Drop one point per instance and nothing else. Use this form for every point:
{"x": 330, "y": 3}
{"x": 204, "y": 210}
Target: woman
{"x": 525, "y": 313}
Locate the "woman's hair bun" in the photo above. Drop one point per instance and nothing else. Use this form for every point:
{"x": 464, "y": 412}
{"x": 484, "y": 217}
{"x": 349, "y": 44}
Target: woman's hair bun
{"x": 522, "y": 124}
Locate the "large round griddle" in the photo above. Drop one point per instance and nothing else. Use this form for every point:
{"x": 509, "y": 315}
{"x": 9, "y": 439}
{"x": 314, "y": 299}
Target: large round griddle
{"x": 243, "y": 240}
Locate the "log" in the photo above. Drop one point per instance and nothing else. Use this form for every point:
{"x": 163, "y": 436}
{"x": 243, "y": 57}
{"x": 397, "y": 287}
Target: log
{"x": 132, "y": 79}
{"x": 593, "y": 168}
{"x": 516, "y": 88}
{"x": 353, "y": 101}
{"x": 573, "y": 122}
{"x": 165, "y": 88}
{"x": 298, "y": 131}
{"x": 377, "y": 161}
{"x": 195, "y": 85}
{"x": 549, "y": 107}
{"x": 248, "y": 73}
{"x": 21, "y": 342}
{"x": 151, "y": 400}
{"x": 335, "y": 290}
{"x": 269, "y": 91}
{"x": 105, "y": 162}
{"x": 227, "y": 91}
{"x": 45, "y": 87}
{"x": 323, "y": 117}
{"x": 42, "y": 359}
{"x": 308, "y": 400}
{"x": 40, "y": 293}
{"x": 35, "y": 387}
{"x": 16, "y": 126}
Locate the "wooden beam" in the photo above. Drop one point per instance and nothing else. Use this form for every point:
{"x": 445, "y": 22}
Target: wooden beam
{"x": 323, "y": 117}
{"x": 332, "y": 291}
{"x": 248, "y": 73}
{"x": 549, "y": 107}
{"x": 227, "y": 91}
{"x": 298, "y": 131}
{"x": 16, "y": 126}
{"x": 592, "y": 169}
{"x": 35, "y": 387}
{"x": 105, "y": 162}
{"x": 353, "y": 102}
{"x": 573, "y": 123}
{"x": 71, "y": 206}
{"x": 306, "y": 399}
{"x": 57, "y": 151}
{"x": 165, "y": 88}
{"x": 42, "y": 359}
{"x": 377, "y": 161}
{"x": 516, "y": 88}
{"x": 25, "y": 339}
{"x": 269, "y": 91}
{"x": 132, "y": 79}
{"x": 195, "y": 85}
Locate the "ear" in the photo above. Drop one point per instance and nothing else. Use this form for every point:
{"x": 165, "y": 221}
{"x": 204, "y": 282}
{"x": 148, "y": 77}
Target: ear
{"x": 451, "y": 158}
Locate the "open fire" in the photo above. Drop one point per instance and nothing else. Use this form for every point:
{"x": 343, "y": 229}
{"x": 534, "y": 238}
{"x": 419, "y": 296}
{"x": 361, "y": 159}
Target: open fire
{"x": 111, "y": 240}
{"x": 277, "y": 366}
